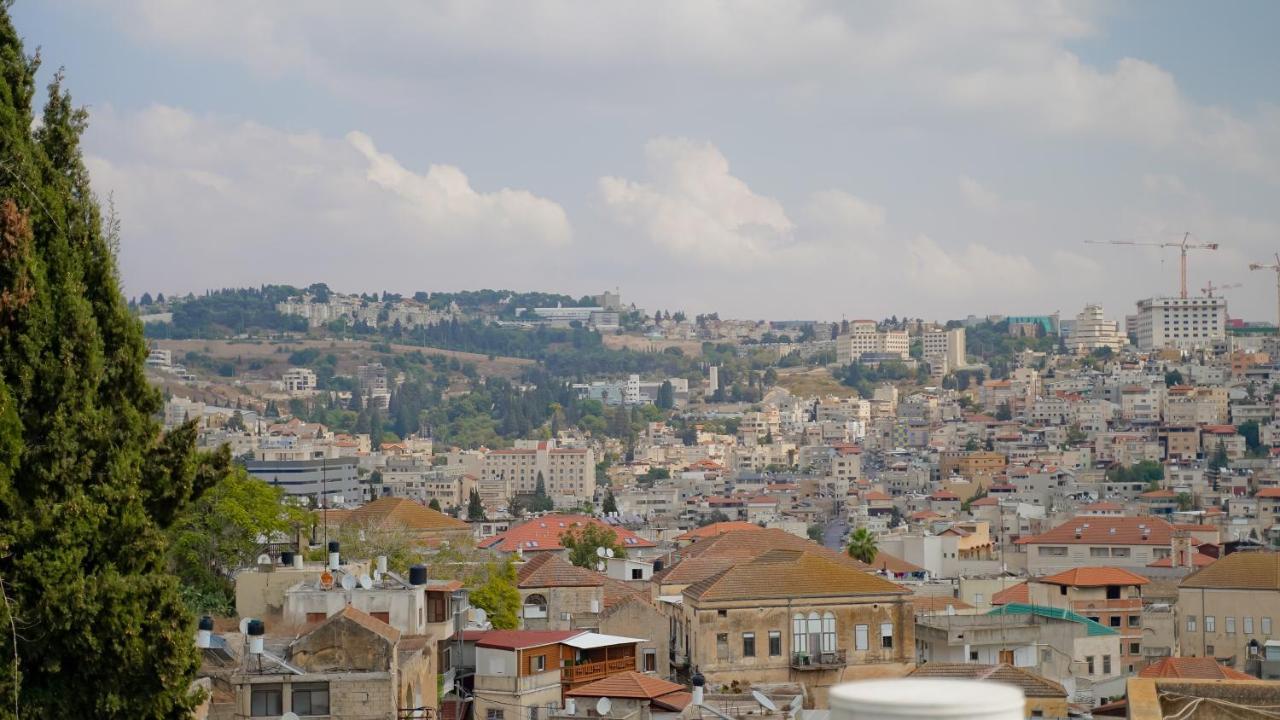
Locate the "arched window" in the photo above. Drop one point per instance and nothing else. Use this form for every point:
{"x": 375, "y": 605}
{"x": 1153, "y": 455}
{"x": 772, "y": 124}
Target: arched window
{"x": 535, "y": 606}
{"x": 799, "y": 641}
{"x": 828, "y": 632}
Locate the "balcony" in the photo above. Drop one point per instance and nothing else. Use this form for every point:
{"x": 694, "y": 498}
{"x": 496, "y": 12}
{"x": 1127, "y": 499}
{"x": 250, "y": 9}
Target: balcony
{"x": 592, "y": 671}
{"x": 819, "y": 661}
{"x": 518, "y": 684}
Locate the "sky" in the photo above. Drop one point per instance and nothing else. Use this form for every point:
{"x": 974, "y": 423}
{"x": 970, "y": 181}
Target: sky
{"x": 780, "y": 160}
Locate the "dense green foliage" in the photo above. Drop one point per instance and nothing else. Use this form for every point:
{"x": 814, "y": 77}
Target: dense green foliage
{"x": 1147, "y": 472}
{"x": 583, "y": 541}
{"x": 228, "y": 312}
{"x": 864, "y": 378}
{"x": 992, "y": 344}
{"x": 862, "y": 546}
{"x": 218, "y": 535}
{"x": 497, "y": 595}
{"x": 88, "y": 487}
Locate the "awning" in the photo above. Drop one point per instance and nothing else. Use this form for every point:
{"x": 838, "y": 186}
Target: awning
{"x": 589, "y": 640}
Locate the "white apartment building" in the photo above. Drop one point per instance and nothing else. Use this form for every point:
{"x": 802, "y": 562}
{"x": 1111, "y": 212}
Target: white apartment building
{"x": 299, "y": 380}
{"x": 1183, "y": 323}
{"x": 633, "y": 391}
{"x": 569, "y": 474}
{"x": 1092, "y": 330}
{"x": 945, "y": 348}
{"x": 863, "y": 338}
{"x": 159, "y": 357}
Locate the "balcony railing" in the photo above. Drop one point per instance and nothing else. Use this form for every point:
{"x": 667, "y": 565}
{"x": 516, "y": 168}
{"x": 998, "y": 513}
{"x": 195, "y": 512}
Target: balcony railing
{"x": 818, "y": 661}
{"x": 589, "y": 672}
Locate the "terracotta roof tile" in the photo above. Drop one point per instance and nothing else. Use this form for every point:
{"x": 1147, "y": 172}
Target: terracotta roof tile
{"x": 1020, "y": 593}
{"x": 547, "y": 570}
{"x": 1098, "y": 530}
{"x": 895, "y": 565}
{"x": 1240, "y": 571}
{"x": 791, "y": 573}
{"x": 543, "y": 533}
{"x": 631, "y": 684}
{"x": 1032, "y": 685}
{"x": 519, "y": 639}
{"x": 362, "y": 619}
{"x": 1198, "y": 560}
{"x": 1095, "y": 577}
{"x": 717, "y": 529}
{"x": 1192, "y": 668}
{"x": 401, "y": 512}
{"x": 937, "y": 603}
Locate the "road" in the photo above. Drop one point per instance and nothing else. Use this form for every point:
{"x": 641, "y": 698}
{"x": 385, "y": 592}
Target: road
{"x": 833, "y": 533}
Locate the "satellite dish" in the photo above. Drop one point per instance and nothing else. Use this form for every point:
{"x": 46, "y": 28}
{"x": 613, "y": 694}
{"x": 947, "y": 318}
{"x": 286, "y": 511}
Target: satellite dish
{"x": 348, "y": 582}
{"x": 797, "y": 702}
{"x": 289, "y": 716}
{"x": 764, "y": 701}
{"x": 603, "y": 705}
{"x": 366, "y": 582}
{"x": 481, "y": 616}
{"x": 244, "y": 625}
{"x": 608, "y": 552}
{"x": 264, "y": 559}
{"x": 600, "y": 551}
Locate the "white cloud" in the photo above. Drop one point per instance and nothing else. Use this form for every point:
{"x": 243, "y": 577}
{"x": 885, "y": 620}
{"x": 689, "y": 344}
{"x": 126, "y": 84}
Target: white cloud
{"x": 693, "y": 206}
{"x": 207, "y": 198}
{"x": 978, "y": 196}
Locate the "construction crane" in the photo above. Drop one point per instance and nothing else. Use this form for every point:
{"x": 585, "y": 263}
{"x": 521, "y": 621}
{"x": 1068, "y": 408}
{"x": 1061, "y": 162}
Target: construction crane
{"x": 1275, "y": 267}
{"x": 1210, "y": 287}
{"x": 1184, "y": 245}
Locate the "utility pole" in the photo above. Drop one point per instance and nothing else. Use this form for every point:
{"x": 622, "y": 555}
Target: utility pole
{"x": 1276, "y": 268}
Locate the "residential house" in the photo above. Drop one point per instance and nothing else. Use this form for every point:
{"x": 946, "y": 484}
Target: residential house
{"x": 542, "y": 535}
{"x": 1228, "y": 607}
{"x": 631, "y": 695}
{"x": 1084, "y": 540}
{"x": 1109, "y": 596}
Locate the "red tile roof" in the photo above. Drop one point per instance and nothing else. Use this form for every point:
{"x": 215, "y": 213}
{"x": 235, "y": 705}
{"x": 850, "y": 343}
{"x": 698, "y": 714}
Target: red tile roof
{"x": 1198, "y": 559}
{"x": 1095, "y": 577}
{"x": 543, "y": 533}
{"x": 984, "y": 502}
{"x": 1192, "y": 668}
{"x": 1105, "y": 530}
{"x": 1020, "y": 593}
{"x": 547, "y": 570}
{"x": 636, "y": 686}
{"x": 1271, "y": 492}
{"x": 1159, "y": 495}
{"x": 719, "y": 528}
{"x": 875, "y": 495}
{"x": 895, "y": 565}
{"x": 520, "y": 639}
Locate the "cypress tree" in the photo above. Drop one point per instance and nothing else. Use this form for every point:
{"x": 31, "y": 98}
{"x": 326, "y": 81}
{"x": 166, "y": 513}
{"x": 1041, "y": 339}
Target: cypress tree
{"x": 88, "y": 485}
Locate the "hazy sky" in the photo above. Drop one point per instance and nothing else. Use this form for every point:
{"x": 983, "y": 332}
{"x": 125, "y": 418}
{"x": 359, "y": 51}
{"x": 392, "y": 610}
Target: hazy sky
{"x": 765, "y": 159}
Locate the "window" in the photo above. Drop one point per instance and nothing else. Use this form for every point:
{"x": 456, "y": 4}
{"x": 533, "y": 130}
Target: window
{"x": 1231, "y": 625}
{"x": 1106, "y": 664}
{"x": 1210, "y": 624}
{"x": 436, "y": 607}
{"x": 1209, "y": 650}
{"x": 533, "y": 713}
{"x": 1088, "y": 661}
{"x": 1113, "y": 592}
{"x": 799, "y": 641}
{"x": 538, "y": 663}
{"x": 383, "y": 616}
{"x": 1053, "y": 551}
{"x": 1062, "y": 589}
{"x": 859, "y": 637}
{"x": 722, "y": 646}
{"x": 1248, "y": 625}
{"x": 978, "y": 599}
{"x": 637, "y": 573}
{"x": 1120, "y": 552}
{"x": 1006, "y": 657}
{"x": 1099, "y": 552}
{"x": 492, "y": 714}
{"x": 722, "y": 613}
{"x": 1191, "y": 623}
{"x": 1135, "y": 648}
{"x": 266, "y": 701}
{"x": 775, "y": 643}
{"x": 748, "y": 644}
{"x": 973, "y": 656}
{"x": 1135, "y": 620}
{"x": 1266, "y": 626}
{"x": 828, "y": 632}
{"x": 1046, "y": 655}
{"x": 311, "y": 698}
{"x": 886, "y": 635}
{"x": 1115, "y": 621}
{"x": 650, "y": 660}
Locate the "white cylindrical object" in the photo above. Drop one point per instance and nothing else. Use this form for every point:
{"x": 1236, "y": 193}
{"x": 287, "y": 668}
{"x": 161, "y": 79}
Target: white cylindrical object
{"x": 926, "y": 698}
{"x": 382, "y": 564}
{"x": 204, "y": 639}
{"x": 697, "y": 696}
{"x": 333, "y": 561}
{"x": 570, "y": 707}
{"x": 255, "y": 644}
{"x": 297, "y": 561}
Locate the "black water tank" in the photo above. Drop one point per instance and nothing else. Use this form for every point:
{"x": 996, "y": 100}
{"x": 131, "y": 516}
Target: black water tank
{"x": 418, "y": 575}
{"x": 657, "y": 566}
{"x": 256, "y": 628}
{"x": 206, "y": 623}
{"x": 333, "y": 546}
{"x": 286, "y": 558}
{"x": 698, "y": 680}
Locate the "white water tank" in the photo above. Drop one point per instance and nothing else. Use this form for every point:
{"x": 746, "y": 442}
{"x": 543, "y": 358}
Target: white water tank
{"x": 926, "y": 698}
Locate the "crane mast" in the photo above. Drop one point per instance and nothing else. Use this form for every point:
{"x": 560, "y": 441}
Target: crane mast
{"x": 1183, "y": 246}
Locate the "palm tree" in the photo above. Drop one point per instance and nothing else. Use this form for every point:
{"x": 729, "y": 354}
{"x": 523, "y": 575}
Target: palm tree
{"x": 862, "y": 545}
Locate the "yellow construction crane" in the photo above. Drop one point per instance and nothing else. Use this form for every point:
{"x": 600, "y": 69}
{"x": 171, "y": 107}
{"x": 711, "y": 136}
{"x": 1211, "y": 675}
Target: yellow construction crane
{"x": 1210, "y": 287}
{"x": 1184, "y": 245}
{"x": 1276, "y": 267}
